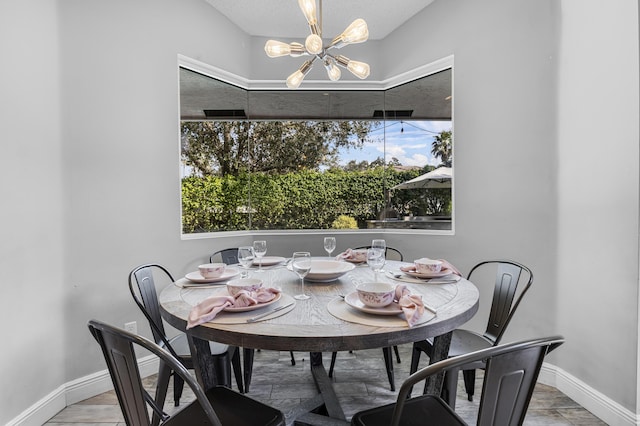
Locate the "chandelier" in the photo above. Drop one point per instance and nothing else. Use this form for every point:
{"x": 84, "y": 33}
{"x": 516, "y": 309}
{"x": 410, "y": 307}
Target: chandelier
{"x": 357, "y": 32}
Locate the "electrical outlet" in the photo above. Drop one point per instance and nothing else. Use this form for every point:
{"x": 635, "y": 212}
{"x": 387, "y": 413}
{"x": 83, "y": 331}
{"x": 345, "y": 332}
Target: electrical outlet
{"x": 131, "y": 327}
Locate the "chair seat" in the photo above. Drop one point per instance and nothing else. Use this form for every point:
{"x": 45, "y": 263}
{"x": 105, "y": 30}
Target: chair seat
{"x": 462, "y": 342}
{"x": 420, "y": 411}
{"x": 232, "y": 408}
{"x": 180, "y": 344}
{"x": 465, "y": 341}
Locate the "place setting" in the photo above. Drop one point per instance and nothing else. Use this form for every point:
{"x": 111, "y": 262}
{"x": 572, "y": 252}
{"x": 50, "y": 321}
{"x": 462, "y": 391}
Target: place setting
{"x": 426, "y": 271}
{"x": 322, "y": 270}
{"x": 382, "y": 304}
{"x": 242, "y": 300}
{"x": 208, "y": 275}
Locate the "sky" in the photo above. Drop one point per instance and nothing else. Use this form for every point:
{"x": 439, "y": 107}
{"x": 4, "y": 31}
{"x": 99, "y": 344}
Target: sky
{"x": 408, "y": 141}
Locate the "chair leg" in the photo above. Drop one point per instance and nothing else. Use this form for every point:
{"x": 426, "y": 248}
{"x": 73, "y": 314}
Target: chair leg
{"x": 395, "y": 349}
{"x": 450, "y": 385}
{"x": 293, "y": 359}
{"x": 333, "y": 363}
{"x": 388, "y": 361}
{"x": 415, "y": 359}
{"x": 164, "y": 374}
{"x": 469, "y": 382}
{"x": 415, "y": 356}
{"x": 237, "y": 368}
{"x": 248, "y": 355}
{"x": 178, "y": 385}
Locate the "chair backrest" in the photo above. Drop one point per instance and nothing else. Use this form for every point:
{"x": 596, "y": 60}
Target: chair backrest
{"x": 390, "y": 253}
{"x": 509, "y": 379}
{"x": 228, "y": 256}
{"x": 506, "y": 298}
{"x": 117, "y": 348}
{"x": 143, "y": 290}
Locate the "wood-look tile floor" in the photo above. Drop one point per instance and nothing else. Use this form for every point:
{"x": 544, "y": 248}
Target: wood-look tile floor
{"x": 360, "y": 382}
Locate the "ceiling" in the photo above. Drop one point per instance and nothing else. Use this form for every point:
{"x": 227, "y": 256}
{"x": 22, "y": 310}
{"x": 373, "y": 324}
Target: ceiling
{"x": 284, "y": 19}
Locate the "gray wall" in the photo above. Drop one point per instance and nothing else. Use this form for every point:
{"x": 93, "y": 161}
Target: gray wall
{"x": 599, "y": 312}
{"x": 32, "y": 199}
{"x": 106, "y": 172}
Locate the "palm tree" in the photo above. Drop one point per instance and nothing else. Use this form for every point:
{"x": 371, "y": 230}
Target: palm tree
{"x": 441, "y": 148}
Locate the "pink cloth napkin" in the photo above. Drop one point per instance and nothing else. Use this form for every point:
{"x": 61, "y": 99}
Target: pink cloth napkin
{"x": 411, "y": 304}
{"x": 207, "y": 310}
{"x": 347, "y": 254}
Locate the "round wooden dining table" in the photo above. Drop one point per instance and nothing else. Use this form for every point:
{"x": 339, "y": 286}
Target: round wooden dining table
{"x": 330, "y": 320}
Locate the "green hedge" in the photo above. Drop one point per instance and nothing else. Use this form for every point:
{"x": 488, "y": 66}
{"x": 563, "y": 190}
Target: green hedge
{"x": 302, "y": 200}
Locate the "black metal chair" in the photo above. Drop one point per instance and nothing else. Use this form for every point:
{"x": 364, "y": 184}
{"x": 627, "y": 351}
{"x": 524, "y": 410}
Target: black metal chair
{"x": 143, "y": 289}
{"x": 229, "y": 256}
{"x": 509, "y": 275}
{"x": 217, "y": 406}
{"x": 510, "y": 377}
{"x": 390, "y": 254}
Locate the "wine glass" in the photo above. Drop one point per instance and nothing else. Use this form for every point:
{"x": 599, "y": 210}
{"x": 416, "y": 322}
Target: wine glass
{"x": 301, "y": 265}
{"x": 260, "y": 249}
{"x": 245, "y": 257}
{"x": 375, "y": 260}
{"x": 379, "y": 244}
{"x": 329, "y": 244}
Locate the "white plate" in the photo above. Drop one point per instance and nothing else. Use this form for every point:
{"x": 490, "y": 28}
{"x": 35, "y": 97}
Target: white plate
{"x": 253, "y": 307}
{"x": 353, "y": 300}
{"x": 227, "y": 274}
{"x": 269, "y": 260}
{"x": 442, "y": 273}
{"x": 324, "y": 271}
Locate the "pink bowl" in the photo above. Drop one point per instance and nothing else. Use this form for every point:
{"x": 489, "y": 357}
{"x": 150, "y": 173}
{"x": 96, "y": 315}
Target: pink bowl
{"x": 376, "y": 295}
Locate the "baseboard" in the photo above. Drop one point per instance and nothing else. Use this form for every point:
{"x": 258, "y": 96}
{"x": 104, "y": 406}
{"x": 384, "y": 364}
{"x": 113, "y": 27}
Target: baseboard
{"x": 97, "y": 383}
{"x": 597, "y": 403}
{"x": 40, "y": 412}
{"x": 75, "y": 391}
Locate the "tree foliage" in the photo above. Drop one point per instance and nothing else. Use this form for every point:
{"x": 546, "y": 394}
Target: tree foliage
{"x": 302, "y": 200}
{"x": 231, "y": 147}
{"x": 441, "y": 148}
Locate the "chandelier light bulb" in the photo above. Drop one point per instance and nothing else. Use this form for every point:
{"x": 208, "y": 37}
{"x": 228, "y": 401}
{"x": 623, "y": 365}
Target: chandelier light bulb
{"x": 295, "y": 79}
{"x": 359, "y": 69}
{"x": 308, "y": 8}
{"x": 313, "y": 44}
{"x": 356, "y": 32}
{"x": 332, "y": 70}
{"x": 276, "y": 49}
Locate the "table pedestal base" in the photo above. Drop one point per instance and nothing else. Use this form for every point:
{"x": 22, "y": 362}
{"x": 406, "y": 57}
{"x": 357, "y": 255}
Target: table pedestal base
{"x": 324, "y": 409}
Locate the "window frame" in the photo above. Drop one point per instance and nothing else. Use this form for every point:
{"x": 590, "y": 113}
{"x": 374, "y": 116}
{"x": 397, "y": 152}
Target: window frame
{"x": 249, "y": 85}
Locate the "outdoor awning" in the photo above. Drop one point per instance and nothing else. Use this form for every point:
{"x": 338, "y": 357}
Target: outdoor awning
{"x": 438, "y": 178}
